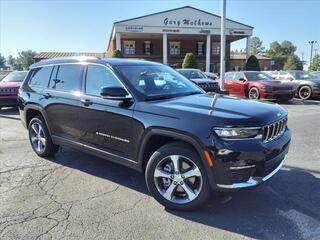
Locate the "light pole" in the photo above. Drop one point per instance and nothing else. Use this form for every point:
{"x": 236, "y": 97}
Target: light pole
{"x": 223, "y": 46}
{"x": 311, "y": 43}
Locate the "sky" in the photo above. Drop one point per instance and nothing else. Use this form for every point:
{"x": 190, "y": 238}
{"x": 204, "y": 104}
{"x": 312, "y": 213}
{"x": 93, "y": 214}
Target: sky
{"x": 85, "y": 25}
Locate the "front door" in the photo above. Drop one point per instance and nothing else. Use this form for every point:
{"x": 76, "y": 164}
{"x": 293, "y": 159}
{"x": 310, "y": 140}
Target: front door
{"x": 228, "y": 82}
{"x": 107, "y": 124}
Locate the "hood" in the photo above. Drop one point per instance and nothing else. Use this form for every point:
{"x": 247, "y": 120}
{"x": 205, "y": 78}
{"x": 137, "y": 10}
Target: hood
{"x": 217, "y": 110}
{"x": 203, "y": 80}
{"x": 10, "y": 84}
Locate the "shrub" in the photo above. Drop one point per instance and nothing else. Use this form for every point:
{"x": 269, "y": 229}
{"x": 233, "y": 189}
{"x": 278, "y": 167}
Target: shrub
{"x": 117, "y": 54}
{"x": 189, "y": 61}
{"x": 252, "y": 64}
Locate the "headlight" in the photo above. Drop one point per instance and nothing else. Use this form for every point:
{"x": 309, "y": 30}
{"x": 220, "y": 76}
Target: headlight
{"x": 239, "y": 133}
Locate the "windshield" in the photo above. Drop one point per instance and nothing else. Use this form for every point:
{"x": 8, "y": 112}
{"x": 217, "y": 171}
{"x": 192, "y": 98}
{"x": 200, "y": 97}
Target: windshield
{"x": 15, "y": 77}
{"x": 158, "y": 81}
{"x": 192, "y": 74}
{"x": 258, "y": 76}
{"x": 302, "y": 75}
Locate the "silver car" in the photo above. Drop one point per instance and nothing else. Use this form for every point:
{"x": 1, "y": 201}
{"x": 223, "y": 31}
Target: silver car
{"x": 306, "y": 85}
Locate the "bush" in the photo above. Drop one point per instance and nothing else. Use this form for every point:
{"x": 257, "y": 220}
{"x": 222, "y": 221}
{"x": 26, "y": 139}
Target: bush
{"x": 253, "y": 64}
{"x": 189, "y": 61}
{"x": 117, "y": 54}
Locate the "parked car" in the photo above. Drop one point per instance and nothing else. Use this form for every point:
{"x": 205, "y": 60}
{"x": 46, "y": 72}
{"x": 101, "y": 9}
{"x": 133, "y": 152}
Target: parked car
{"x": 9, "y": 87}
{"x": 257, "y": 85}
{"x": 306, "y": 85}
{"x": 199, "y": 78}
{"x": 186, "y": 142}
{"x": 212, "y": 75}
{"x": 316, "y": 74}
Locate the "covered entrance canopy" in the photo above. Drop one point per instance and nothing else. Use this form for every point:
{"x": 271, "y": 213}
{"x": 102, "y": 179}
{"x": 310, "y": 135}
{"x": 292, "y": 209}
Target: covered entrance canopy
{"x": 167, "y": 36}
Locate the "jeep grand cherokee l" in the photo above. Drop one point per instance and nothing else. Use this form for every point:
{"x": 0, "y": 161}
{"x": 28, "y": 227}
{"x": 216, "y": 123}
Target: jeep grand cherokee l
{"x": 185, "y": 141}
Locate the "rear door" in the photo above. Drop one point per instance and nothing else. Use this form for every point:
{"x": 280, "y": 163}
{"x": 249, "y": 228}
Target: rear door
{"x": 63, "y": 96}
{"x": 228, "y": 82}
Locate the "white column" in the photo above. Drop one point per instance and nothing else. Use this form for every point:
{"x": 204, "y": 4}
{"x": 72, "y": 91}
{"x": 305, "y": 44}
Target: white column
{"x": 118, "y": 41}
{"x": 248, "y": 48}
{"x": 165, "y": 48}
{"x": 223, "y": 44}
{"x": 208, "y": 47}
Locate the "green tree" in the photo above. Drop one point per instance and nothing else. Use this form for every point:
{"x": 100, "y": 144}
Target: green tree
{"x": 11, "y": 61}
{"x": 117, "y": 54}
{"x": 290, "y": 63}
{"x": 287, "y": 48}
{"x": 189, "y": 61}
{"x": 252, "y": 64}
{"x": 256, "y": 46}
{"x": 2, "y": 61}
{"x": 24, "y": 59}
{"x": 315, "y": 63}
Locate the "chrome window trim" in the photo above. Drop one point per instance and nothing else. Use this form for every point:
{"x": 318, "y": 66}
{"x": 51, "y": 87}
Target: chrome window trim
{"x": 84, "y": 63}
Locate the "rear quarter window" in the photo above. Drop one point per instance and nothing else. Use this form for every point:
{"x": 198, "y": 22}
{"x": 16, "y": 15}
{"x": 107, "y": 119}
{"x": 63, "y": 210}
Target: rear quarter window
{"x": 40, "y": 76}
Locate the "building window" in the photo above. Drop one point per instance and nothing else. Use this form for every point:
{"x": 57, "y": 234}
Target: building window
{"x": 200, "y": 48}
{"x": 129, "y": 47}
{"x": 215, "y": 48}
{"x": 147, "y": 48}
{"x": 174, "y": 48}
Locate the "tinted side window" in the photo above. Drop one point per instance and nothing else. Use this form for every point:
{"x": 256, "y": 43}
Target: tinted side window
{"x": 238, "y": 76}
{"x": 229, "y": 76}
{"x": 68, "y": 78}
{"x": 40, "y": 76}
{"x": 99, "y": 77}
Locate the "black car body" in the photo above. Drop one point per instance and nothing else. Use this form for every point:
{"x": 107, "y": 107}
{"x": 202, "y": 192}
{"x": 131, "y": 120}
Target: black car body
{"x": 226, "y": 142}
{"x": 201, "y": 79}
{"x": 306, "y": 85}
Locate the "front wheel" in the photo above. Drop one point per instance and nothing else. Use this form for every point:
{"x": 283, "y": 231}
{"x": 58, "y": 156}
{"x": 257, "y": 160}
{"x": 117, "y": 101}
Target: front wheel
{"x": 305, "y": 92}
{"x": 254, "y": 93}
{"x": 176, "y": 178}
{"x": 40, "y": 138}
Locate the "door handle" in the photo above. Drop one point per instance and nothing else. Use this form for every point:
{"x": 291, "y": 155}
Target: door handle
{"x": 86, "y": 102}
{"x": 47, "y": 95}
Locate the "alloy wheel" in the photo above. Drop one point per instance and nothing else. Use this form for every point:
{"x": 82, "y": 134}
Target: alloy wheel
{"x": 178, "y": 179}
{"x": 253, "y": 94}
{"x": 305, "y": 92}
{"x": 38, "y": 138}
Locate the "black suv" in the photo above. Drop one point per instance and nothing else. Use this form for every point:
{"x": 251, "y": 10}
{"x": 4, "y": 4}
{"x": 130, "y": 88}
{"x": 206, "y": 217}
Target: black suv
{"x": 147, "y": 116}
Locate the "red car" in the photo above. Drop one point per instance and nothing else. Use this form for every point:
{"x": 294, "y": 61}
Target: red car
{"x": 257, "y": 85}
{"x": 9, "y": 87}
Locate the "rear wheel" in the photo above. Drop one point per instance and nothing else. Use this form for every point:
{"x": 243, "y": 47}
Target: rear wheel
{"x": 176, "y": 178}
{"x": 40, "y": 138}
{"x": 254, "y": 93}
{"x": 305, "y": 92}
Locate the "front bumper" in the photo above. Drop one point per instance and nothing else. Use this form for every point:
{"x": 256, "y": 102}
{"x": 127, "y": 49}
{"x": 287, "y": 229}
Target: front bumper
{"x": 247, "y": 163}
{"x": 8, "y": 101}
{"x": 253, "y": 181}
{"x": 279, "y": 95}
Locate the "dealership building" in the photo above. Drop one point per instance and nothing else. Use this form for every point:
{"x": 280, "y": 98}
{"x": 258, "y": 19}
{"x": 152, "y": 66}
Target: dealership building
{"x": 167, "y": 36}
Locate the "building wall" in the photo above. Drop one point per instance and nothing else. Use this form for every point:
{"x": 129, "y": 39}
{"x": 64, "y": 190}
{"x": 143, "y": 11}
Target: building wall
{"x": 186, "y": 46}
{"x": 239, "y": 64}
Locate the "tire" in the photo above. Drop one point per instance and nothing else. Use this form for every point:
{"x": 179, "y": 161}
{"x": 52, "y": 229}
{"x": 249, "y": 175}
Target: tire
{"x": 197, "y": 187}
{"x": 40, "y": 138}
{"x": 305, "y": 92}
{"x": 254, "y": 93}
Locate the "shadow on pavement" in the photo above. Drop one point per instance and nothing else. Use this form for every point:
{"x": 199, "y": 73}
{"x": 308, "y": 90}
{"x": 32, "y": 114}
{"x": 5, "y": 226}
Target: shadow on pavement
{"x": 270, "y": 211}
{"x": 11, "y": 113}
{"x": 301, "y": 102}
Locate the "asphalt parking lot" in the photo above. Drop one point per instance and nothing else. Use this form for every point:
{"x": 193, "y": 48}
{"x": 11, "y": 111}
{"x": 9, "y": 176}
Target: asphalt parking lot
{"x": 78, "y": 196}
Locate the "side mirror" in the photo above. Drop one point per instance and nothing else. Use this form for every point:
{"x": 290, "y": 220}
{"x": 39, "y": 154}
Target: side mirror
{"x": 242, "y": 79}
{"x": 115, "y": 93}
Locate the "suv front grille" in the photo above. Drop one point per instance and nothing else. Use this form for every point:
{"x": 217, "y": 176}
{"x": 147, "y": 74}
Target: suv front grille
{"x": 209, "y": 87}
{"x": 274, "y": 130}
{"x": 7, "y": 91}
